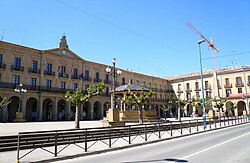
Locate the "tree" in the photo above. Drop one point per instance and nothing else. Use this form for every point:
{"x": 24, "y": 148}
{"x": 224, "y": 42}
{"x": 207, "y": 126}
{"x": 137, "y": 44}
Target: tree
{"x": 219, "y": 103}
{"x": 139, "y": 99}
{"x": 180, "y": 103}
{"x": 78, "y": 98}
{"x": 191, "y": 102}
{"x": 166, "y": 107}
{"x": 4, "y": 102}
{"x": 231, "y": 106}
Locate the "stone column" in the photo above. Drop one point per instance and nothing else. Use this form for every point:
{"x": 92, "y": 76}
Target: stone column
{"x": 40, "y": 110}
{"x": 91, "y": 112}
{"x": 54, "y": 108}
{"x": 5, "y": 113}
{"x": 23, "y": 106}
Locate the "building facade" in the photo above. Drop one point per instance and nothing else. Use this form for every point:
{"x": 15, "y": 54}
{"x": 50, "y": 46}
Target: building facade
{"x": 231, "y": 84}
{"x": 48, "y": 74}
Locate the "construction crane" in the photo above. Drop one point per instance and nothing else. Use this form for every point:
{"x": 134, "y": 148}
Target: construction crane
{"x": 210, "y": 43}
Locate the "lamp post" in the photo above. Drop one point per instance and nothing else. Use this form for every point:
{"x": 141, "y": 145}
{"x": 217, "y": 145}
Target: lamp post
{"x": 20, "y": 91}
{"x": 247, "y": 106}
{"x": 202, "y": 86}
{"x": 114, "y": 73}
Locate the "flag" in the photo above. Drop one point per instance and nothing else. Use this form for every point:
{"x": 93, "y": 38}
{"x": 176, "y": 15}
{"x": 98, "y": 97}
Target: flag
{"x": 59, "y": 67}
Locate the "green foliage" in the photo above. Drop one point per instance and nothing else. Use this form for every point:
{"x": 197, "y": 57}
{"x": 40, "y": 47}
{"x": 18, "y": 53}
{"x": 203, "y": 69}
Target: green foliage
{"x": 79, "y": 97}
{"x": 4, "y": 102}
{"x": 231, "y": 106}
{"x": 219, "y": 103}
{"x": 139, "y": 98}
{"x": 181, "y": 103}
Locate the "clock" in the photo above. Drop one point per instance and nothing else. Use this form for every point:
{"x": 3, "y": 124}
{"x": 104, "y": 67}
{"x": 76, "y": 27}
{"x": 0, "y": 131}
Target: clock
{"x": 63, "y": 52}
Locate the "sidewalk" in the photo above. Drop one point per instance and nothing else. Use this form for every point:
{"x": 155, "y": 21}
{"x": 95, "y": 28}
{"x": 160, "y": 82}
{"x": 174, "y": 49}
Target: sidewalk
{"x": 14, "y": 128}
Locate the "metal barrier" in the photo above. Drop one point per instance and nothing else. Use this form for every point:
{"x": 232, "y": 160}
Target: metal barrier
{"x": 87, "y": 138}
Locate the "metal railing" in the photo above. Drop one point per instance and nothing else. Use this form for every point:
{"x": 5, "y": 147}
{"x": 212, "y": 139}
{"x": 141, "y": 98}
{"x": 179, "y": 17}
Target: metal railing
{"x": 87, "y": 138}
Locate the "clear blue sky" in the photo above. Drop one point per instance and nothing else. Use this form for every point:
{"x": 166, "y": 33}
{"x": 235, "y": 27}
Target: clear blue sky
{"x": 147, "y": 36}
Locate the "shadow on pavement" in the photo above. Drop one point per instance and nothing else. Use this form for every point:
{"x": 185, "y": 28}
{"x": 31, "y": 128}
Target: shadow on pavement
{"x": 163, "y": 160}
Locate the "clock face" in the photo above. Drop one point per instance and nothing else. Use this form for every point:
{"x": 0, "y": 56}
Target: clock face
{"x": 63, "y": 52}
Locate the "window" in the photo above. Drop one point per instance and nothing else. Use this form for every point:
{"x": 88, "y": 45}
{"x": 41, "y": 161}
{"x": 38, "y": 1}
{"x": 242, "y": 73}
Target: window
{"x": 107, "y": 91}
{"x": 34, "y": 66}
{"x": 144, "y": 84}
{"x": 188, "y": 86}
{"x": 218, "y": 83}
{"x": 49, "y": 68}
{"x": 123, "y": 81}
{"x": 16, "y": 79}
{"x": 238, "y": 81}
{"x": 17, "y": 63}
{"x": 87, "y": 74}
{"x": 75, "y": 85}
{"x": 197, "y": 86}
{"x": 179, "y": 87}
{"x": 131, "y": 81}
{"x": 188, "y": 96}
{"x": 248, "y": 80}
{"x": 33, "y": 81}
{"x": 107, "y": 78}
{"x": 160, "y": 96}
{"x": 197, "y": 95}
{"x": 86, "y": 86}
{"x": 206, "y": 85}
{"x": 1, "y": 59}
{"x": 48, "y": 83}
{"x": 62, "y": 85}
{"x": 97, "y": 76}
{"x": 227, "y": 82}
{"x": 63, "y": 69}
{"x": 75, "y": 72}
{"x": 228, "y": 91}
{"x": 239, "y": 90}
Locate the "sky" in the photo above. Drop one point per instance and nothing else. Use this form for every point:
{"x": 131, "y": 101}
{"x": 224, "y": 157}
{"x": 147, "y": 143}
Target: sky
{"x": 145, "y": 36}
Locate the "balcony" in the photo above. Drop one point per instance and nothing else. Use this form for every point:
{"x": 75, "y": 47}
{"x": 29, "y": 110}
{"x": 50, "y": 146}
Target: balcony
{"x": 107, "y": 94}
{"x": 50, "y": 73}
{"x": 17, "y": 68}
{"x": 107, "y": 81}
{"x": 197, "y": 89}
{"x": 239, "y": 85}
{"x": 189, "y": 90}
{"x": 179, "y": 91}
{"x": 86, "y": 78}
{"x": 75, "y": 77}
{"x": 35, "y": 71}
{"x": 63, "y": 75}
{"x": 97, "y": 80}
{"x": 2, "y": 66}
{"x": 228, "y": 85}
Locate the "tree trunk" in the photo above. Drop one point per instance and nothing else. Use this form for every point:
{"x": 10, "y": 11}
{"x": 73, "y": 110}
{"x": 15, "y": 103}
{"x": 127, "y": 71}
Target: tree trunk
{"x": 165, "y": 115}
{"x": 179, "y": 114}
{"x": 77, "y": 116}
{"x": 140, "y": 115}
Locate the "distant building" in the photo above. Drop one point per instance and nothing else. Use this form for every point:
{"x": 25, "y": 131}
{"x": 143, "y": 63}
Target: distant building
{"x": 232, "y": 83}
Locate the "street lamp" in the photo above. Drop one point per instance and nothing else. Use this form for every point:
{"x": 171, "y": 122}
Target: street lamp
{"x": 20, "y": 91}
{"x": 114, "y": 73}
{"x": 247, "y": 106}
{"x": 202, "y": 85}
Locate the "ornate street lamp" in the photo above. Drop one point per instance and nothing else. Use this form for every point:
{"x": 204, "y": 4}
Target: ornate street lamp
{"x": 114, "y": 73}
{"x": 20, "y": 91}
{"x": 202, "y": 86}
